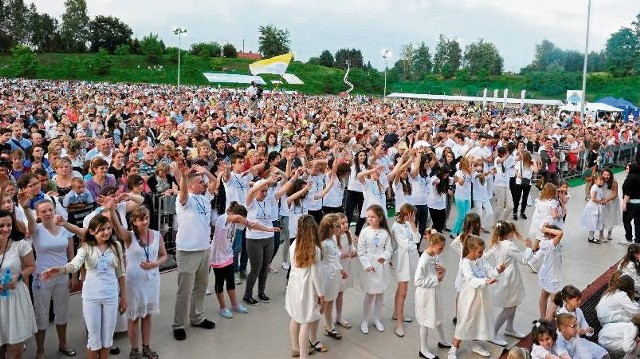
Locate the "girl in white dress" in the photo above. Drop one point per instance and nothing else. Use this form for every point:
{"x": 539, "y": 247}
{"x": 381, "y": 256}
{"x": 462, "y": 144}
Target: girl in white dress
{"x": 331, "y": 269}
{"x": 400, "y": 182}
{"x": 348, "y": 252}
{"x": 405, "y": 258}
{"x": 630, "y": 265}
{"x": 305, "y": 293}
{"x": 562, "y": 196}
{"x": 612, "y": 211}
{"x": 508, "y": 292}
{"x": 145, "y": 254}
{"x": 549, "y": 275}
{"x": 481, "y": 198}
{"x": 374, "y": 251}
{"x": 617, "y": 312}
{"x": 546, "y": 211}
{"x": 471, "y": 227}
{"x": 591, "y": 218}
{"x": 374, "y": 187}
{"x": 429, "y": 303}
{"x": 568, "y": 300}
{"x": 544, "y": 336}
{"x": 475, "y": 307}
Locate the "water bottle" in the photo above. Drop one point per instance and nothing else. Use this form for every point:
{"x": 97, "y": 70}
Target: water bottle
{"x": 6, "y": 279}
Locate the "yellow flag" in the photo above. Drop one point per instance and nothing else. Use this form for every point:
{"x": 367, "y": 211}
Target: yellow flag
{"x": 275, "y": 65}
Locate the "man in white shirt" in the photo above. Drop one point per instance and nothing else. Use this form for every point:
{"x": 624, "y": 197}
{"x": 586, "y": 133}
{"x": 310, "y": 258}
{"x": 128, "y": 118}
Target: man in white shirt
{"x": 193, "y": 254}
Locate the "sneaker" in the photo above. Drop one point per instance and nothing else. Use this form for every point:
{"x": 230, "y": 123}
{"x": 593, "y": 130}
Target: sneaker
{"x": 264, "y": 298}
{"x": 272, "y": 270}
{"x": 481, "y": 351}
{"x": 452, "y": 354}
{"x": 364, "y": 327}
{"x": 250, "y": 301}
{"x": 225, "y": 313}
{"x": 240, "y": 308}
{"x": 593, "y": 240}
{"x": 286, "y": 265}
{"x": 243, "y": 274}
{"x": 208, "y": 292}
{"x": 497, "y": 340}
{"x": 206, "y": 324}
{"x": 236, "y": 277}
{"x": 514, "y": 334}
{"x": 379, "y": 326}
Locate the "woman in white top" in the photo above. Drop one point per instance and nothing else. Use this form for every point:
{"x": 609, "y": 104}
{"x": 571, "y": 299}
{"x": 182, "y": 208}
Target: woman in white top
{"x": 355, "y": 198}
{"x": 404, "y": 237}
{"x": 616, "y": 310}
{"x": 612, "y": 211}
{"x": 332, "y": 202}
{"x": 525, "y": 168}
{"x": 305, "y": 292}
{"x": 145, "y": 254}
{"x": 400, "y": 181}
{"x": 331, "y": 269}
{"x": 374, "y": 187}
{"x": 630, "y": 265}
{"x": 54, "y": 246}
{"x": 504, "y": 200}
{"x": 420, "y": 177}
{"x": 104, "y": 292}
{"x": 462, "y": 195}
{"x": 374, "y": 251}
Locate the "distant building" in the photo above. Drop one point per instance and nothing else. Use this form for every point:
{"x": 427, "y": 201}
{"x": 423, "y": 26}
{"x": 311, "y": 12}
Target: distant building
{"x": 249, "y": 55}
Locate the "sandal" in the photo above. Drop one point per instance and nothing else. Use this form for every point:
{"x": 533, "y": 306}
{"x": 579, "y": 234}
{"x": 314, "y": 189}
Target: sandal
{"x": 148, "y": 353}
{"x": 134, "y": 353}
{"x": 343, "y": 323}
{"x": 319, "y": 347}
{"x": 333, "y": 334}
{"x": 296, "y": 353}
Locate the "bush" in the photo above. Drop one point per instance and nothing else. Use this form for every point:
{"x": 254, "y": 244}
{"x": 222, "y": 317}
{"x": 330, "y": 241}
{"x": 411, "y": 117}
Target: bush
{"x": 25, "y": 62}
{"x": 229, "y": 51}
{"x": 123, "y": 49}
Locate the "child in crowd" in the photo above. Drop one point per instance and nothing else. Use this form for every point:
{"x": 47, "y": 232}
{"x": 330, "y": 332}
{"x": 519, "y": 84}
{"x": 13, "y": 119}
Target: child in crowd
{"x": 79, "y": 197}
{"x": 569, "y": 339}
{"x": 509, "y": 292}
{"x": 331, "y": 269}
{"x": 429, "y": 303}
{"x": 630, "y": 265}
{"x": 519, "y": 353}
{"x": 546, "y": 211}
{"x": 549, "y": 276}
{"x": 347, "y": 249}
{"x": 591, "y": 218}
{"x": 470, "y": 227}
{"x": 544, "y": 336}
{"x": 475, "y": 307}
{"x": 568, "y": 301}
{"x": 562, "y": 196}
{"x": 374, "y": 252}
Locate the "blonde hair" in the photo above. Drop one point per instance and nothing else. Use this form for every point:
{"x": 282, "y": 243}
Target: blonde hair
{"x": 518, "y": 353}
{"x": 548, "y": 192}
{"x": 471, "y": 244}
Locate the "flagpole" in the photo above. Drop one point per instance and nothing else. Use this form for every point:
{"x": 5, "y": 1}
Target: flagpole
{"x": 584, "y": 66}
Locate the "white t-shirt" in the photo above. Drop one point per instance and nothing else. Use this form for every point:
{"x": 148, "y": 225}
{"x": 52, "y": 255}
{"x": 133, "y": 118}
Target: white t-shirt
{"x": 436, "y": 200}
{"x": 194, "y": 223}
{"x": 260, "y": 212}
{"x": 335, "y": 195}
{"x": 121, "y": 209}
{"x": 317, "y": 185}
{"x": 51, "y": 249}
{"x": 237, "y": 188}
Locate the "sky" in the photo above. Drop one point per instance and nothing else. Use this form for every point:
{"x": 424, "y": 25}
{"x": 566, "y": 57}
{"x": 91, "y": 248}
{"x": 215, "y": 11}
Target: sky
{"x": 514, "y": 26}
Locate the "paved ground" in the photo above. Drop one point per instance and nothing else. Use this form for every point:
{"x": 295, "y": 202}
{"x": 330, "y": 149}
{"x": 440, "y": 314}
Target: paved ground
{"x": 263, "y": 333}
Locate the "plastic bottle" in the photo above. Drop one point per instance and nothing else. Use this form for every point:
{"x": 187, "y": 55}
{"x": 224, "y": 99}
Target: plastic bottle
{"x": 6, "y": 279}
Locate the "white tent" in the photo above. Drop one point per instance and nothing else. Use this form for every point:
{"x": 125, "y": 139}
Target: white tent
{"x": 479, "y": 99}
{"x": 590, "y": 107}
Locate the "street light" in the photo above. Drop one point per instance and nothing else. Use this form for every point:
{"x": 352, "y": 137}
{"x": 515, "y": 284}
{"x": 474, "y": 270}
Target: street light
{"x": 179, "y": 32}
{"x": 385, "y": 55}
{"x": 584, "y": 66}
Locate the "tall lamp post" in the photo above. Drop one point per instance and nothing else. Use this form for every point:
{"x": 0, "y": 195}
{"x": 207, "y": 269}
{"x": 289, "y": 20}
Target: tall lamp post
{"x": 385, "y": 55}
{"x": 179, "y": 31}
{"x": 584, "y": 66}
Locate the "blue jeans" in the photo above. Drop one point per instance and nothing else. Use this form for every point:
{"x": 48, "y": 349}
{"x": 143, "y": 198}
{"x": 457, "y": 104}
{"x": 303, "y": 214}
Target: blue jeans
{"x": 463, "y": 206}
{"x": 240, "y": 250}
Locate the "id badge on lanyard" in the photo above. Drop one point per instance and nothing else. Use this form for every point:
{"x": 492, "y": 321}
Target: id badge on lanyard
{"x": 103, "y": 264}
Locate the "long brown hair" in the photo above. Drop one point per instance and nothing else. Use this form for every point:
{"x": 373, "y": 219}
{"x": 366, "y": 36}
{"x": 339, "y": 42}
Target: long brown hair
{"x": 347, "y": 233}
{"x": 471, "y": 244}
{"x": 548, "y": 192}
{"x": 471, "y": 226}
{"x": 327, "y": 226}
{"x": 307, "y": 241}
{"x": 405, "y": 211}
{"x": 620, "y": 282}
{"x": 501, "y": 230}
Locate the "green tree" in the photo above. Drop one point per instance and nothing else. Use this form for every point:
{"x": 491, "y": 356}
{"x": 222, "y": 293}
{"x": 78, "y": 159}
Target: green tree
{"x": 123, "y": 49}
{"x": 45, "y": 34}
{"x": 75, "y": 25}
{"x": 102, "y": 62}
{"x": 314, "y": 60}
{"x": 24, "y": 62}
{"x": 482, "y": 58}
{"x": 14, "y": 24}
{"x": 152, "y": 48}
{"x": 326, "y": 59}
{"x": 546, "y": 54}
{"x": 273, "y": 41}
{"x": 108, "y": 32}
{"x": 206, "y": 49}
{"x": 353, "y": 55}
{"x": 622, "y": 52}
{"x": 407, "y": 56}
{"x": 422, "y": 64}
{"x": 229, "y": 51}
{"x": 448, "y": 56}
{"x": 573, "y": 60}
{"x": 597, "y": 61}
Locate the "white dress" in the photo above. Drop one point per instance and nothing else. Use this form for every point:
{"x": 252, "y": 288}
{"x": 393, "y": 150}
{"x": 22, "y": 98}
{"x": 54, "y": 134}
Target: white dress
{"x": 475, "y": 307}
{"x": 591, "y": 218}
{"x": 429, "y": 308}
{"x": 550, "y": 272}
{"x": 612, "y": 211}
{"x": 538, "y": 352}
{"x": 509, "y": 290}
{"x": 618, "y": 337}
{"x": 303, "y": 290}
{"x": 331, "y": 267}
{"x": 400, "y": 197}
{"x": 405, "y": 255}
{"x": 347, "y": 262}
{"x": 143, "y": 286}
{"x": 541, "y": 215}
{"x": 631, "y": 270}
{"x": 18, "y": 321}
{"x": 456, "y": 245}
{"x": 374, "y": 194}
{"x": 372, "y": 245}
{"x": 615, "y": 311}
{"x": 578, "y": 347}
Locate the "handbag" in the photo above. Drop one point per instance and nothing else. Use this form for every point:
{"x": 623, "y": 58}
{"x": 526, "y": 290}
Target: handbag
{"x": 524, "y": 181}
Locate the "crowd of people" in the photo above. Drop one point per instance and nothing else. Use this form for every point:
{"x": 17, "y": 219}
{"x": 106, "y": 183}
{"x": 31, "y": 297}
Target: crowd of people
{"x": 86, "y": 168}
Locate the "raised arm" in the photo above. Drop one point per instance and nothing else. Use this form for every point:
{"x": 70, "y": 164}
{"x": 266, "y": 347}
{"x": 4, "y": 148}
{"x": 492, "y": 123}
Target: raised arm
{"x": 78, "y": 231}
{"x": 287, "y": 185}
{"x": 327, "y": 187}
{"x": 260, "y": 185}
{"x": 393, "y": 175}
{"x": 23, "y": 200}
{"x": 183, "y": 194}
{"x": 117, "y": 226}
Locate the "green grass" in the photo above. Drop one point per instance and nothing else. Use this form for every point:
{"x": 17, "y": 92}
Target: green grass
{"x": 575, "y": 182}
{"x": 324, "y": 80}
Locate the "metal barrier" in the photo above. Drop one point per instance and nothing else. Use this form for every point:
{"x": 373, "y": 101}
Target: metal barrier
{"x": 164, "y": 209}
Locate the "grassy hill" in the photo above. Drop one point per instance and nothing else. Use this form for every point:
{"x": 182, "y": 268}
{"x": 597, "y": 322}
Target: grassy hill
{"x": 323, "y": 80}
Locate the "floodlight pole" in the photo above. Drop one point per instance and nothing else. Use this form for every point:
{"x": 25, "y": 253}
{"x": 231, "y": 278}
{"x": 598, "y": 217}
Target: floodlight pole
{"x": 584, "y": 66}
{"x": 179, "y": 32}
{"x": 385, "y": 55}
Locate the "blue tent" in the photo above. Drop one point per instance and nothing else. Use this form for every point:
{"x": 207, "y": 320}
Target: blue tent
{"x": 628, "y": 107}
